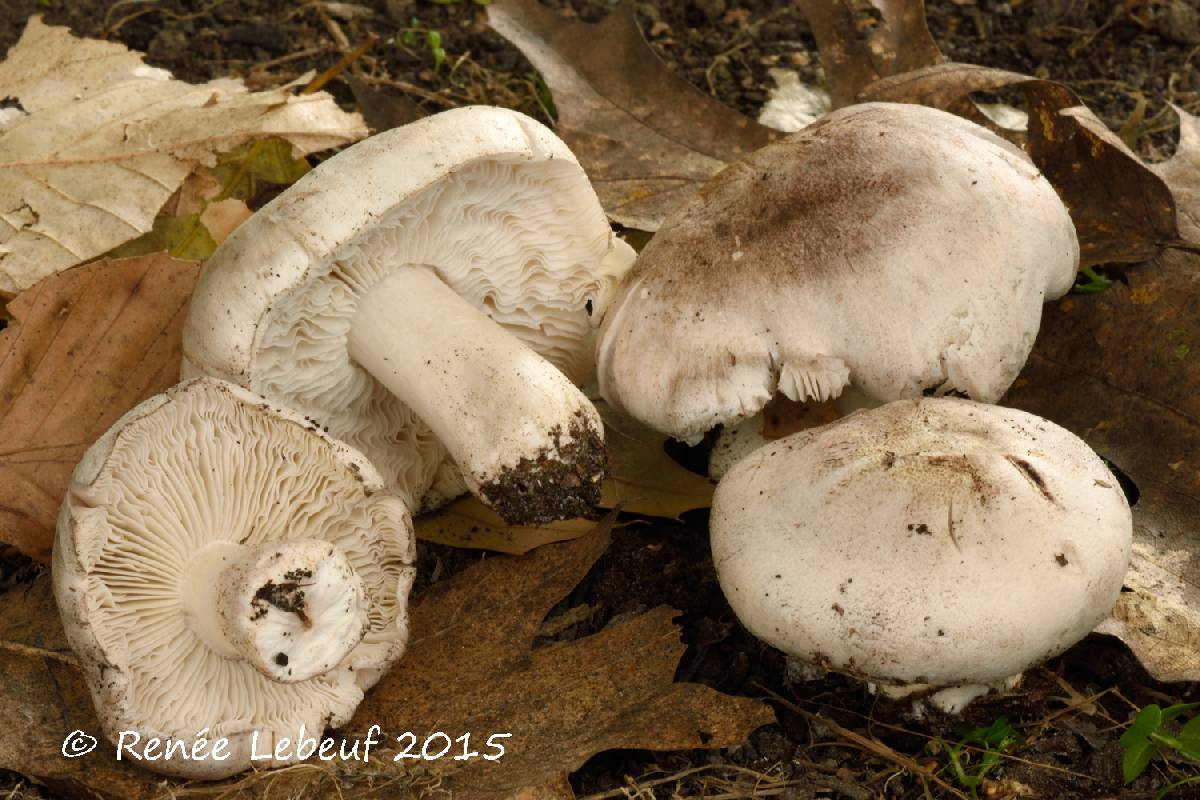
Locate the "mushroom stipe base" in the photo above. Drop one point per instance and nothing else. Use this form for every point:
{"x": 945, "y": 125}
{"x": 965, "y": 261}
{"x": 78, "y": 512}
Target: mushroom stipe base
{"x": 561, "y": 483}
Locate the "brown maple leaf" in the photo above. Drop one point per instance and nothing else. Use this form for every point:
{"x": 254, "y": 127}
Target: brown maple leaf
{"x": 84, "y": 347}
{"x": 562, "y": 702}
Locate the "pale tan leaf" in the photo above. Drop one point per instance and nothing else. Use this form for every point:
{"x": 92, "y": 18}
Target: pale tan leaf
{"x": 1182, "y": 175}
{"x": 469, "y": 523}
{"x": 102, "y": 141}
{"x": 643, "y": 478}
{"x": 85, "y": 346}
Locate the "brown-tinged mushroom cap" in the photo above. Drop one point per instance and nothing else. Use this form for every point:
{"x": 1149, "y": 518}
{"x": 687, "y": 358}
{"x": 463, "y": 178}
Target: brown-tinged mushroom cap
{"x": 888, "y": 249}
{"x": 222, "y": 566}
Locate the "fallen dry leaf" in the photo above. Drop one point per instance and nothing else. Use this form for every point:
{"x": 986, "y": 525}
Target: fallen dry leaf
{"x": 1122, "y": 370}
{"x": 99, "y": 142}
{"x": 469, "y": 523}
{"x": 85, "y": 346}
{"x": 1122, "y": 211}
{"x": 643, "y": 479}
{"x": 562, "y": 702}
{"x": 382, "y": 109}
{"x": 646, "y": 137}
{"x": 44, "y": 697}
{"x": 1182, "y": 175}
{"x": 471, "y": 667}
{"x": 861, "y": 41}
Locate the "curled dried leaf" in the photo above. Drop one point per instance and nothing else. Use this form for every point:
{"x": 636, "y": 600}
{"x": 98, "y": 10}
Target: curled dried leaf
{"x": 861, "y": 41}
{"x": 646, "y": 137}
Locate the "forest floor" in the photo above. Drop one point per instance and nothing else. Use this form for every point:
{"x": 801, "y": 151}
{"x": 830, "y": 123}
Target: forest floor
{"x": 1127, "y": 60}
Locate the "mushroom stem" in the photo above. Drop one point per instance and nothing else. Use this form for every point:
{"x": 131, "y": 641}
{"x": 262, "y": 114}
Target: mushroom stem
{"x": 293, "y": 610}
{"x": 529, "y": 443}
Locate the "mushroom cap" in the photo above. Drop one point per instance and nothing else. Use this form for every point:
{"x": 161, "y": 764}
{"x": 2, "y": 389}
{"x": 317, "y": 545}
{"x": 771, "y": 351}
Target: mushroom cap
{"x": 895, "y": 248}
{"x": 490, "y": 199}
{"x": 206, "y": 465}
{"x": 934, "y": 541}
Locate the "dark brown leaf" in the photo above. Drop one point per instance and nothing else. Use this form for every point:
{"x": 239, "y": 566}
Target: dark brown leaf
{"x": 470, "y": 668}
{"x": 85, "y": 346}
{"x": 43, "y": 698}
{"x": 1122, "y": 211}
{"x": 861, "y": 41}
{"x": 383, "y": 110}
{"x": 1122, "y": 370}
{"x": 646, "y": 137}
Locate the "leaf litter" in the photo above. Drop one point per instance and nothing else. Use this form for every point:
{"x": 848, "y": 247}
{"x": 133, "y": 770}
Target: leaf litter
{"x": 83, "y": 348}
{"x": 96, "y": 142}
{"x": 1124, "y": 404}
{"x": 646, "y": 137}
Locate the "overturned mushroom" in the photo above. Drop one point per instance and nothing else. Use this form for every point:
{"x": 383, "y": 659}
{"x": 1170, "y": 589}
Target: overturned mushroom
{"x": 443, "y": 271}
{"x": 224, "y": 569}
{"x": 883, "y": 252}
{"x": 933, "y": 545}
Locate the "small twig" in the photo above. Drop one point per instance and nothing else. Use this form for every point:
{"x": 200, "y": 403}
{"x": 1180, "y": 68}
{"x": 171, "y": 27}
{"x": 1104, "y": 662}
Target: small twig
{"x": 719, "y": 59}
{"x": 413, "y": 89}
{"x": 342, "y": 64}
{"x": 331, "y": 25}
{"x": 263, "y": 66}
{"x": 775, "y": 785}
{"x": 878, "y": 748}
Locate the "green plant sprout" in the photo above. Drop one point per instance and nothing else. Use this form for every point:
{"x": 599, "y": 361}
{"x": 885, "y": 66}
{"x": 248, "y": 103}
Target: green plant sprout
{"x": 989, "y": 743}
{"x": 1148, "y": 736}
{"x": 544, "y": 98}
{"x": 1095, "y": 283}
{"x": 433, "y": 41}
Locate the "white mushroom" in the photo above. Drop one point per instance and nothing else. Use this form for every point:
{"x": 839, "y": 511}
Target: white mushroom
{"x": 792, "y": 104}
{"x": 778, "y": 418}
{"x": 224, "y": 569}
{"x": 884, "y": 251}
{"x": 932, "y": 544}
{"x": 443, "y": 271}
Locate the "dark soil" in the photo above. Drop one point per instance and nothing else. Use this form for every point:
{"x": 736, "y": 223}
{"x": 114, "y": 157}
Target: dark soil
{"x": 1114, "y": 54}
{"x": 1070, "y": 712}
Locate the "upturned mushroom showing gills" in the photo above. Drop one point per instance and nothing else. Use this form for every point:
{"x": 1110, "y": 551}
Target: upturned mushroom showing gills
{"x": 885, "y": 251}
{"x": 424, "y": 292}
{"x": 936, "y": 546}
{"x": 224, "y": 569}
